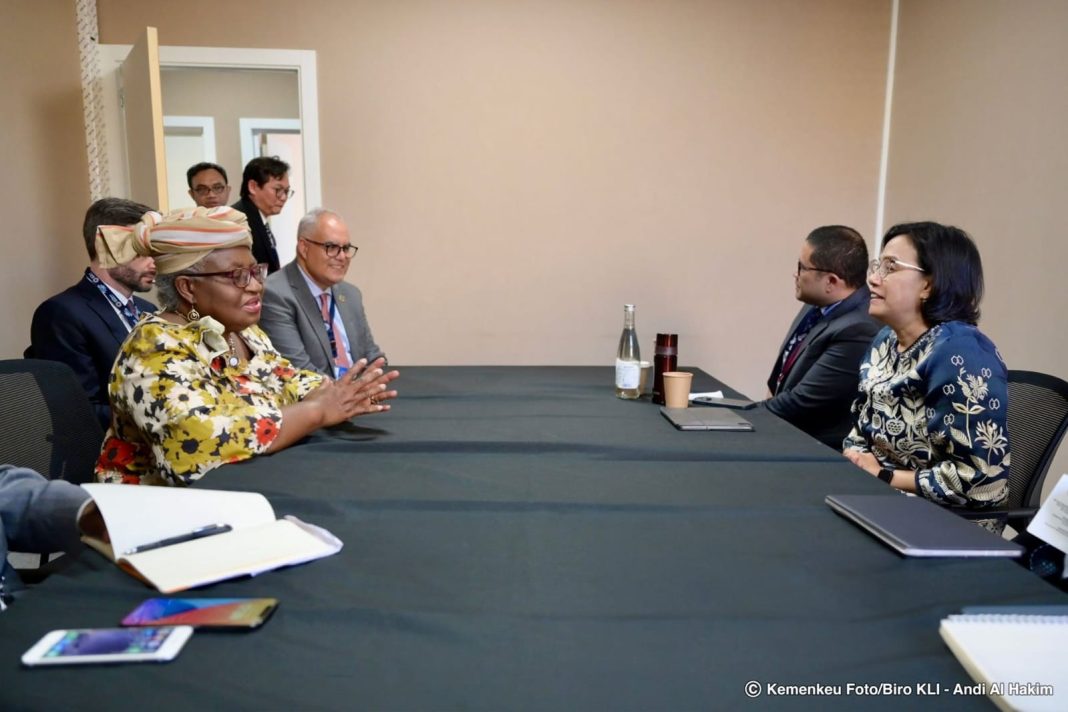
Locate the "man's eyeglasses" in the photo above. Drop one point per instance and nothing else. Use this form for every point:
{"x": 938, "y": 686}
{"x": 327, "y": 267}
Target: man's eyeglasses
{"x": 283, "y": 193}
{"x": 240, "y": 276}
{"x": 204, "y": 190}
{"x": 802, "y": 268}
{"x": 889, "y": 265}
{"x": 333, "y": 249}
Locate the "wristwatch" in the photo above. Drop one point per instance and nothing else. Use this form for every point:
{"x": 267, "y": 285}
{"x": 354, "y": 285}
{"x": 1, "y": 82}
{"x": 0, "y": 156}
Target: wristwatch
{"x": 886, "y": 475}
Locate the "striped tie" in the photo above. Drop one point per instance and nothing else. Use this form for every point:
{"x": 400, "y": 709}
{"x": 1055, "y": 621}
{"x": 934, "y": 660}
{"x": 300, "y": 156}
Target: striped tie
{"x": 341, "y": 357}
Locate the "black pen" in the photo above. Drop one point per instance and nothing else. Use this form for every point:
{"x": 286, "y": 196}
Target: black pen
{"x": 209, "y": 530}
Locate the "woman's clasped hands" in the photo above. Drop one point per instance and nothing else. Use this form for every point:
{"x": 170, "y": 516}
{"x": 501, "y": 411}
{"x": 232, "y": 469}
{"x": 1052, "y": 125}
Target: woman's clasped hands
{"x": 360, "y": 391}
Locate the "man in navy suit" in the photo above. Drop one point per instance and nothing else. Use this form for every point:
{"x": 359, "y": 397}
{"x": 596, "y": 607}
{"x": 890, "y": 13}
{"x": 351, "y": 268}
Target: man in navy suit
{"x": 313, "y": 316}
{"x": 83, "y": 326}
{"x": 814, "y": 380}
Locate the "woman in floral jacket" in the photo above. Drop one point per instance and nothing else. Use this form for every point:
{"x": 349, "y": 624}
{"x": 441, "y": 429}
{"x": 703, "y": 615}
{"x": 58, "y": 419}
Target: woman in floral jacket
{"x": 931, "y": 414}
{"x": 199, "y": 384}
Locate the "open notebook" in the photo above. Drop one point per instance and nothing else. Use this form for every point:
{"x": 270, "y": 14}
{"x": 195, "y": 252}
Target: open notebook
{"x": 151, "y": 535}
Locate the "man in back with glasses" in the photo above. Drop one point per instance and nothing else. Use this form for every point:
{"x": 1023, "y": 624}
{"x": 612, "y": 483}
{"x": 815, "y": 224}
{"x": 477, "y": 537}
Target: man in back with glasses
{"x": 313, "y": 316}
{"x": 208, "y": 185}
{"x": 264, "y": 192}
{"x": 814, "y": 380}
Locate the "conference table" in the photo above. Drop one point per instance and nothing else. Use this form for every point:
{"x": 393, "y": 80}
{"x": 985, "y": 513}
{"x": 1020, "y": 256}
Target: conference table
{"x": 519, "y": 538}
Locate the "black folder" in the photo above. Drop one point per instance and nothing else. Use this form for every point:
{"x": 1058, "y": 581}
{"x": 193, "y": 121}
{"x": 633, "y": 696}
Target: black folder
{"x": 706, "y": 419}
{"x": 915, "y": 526}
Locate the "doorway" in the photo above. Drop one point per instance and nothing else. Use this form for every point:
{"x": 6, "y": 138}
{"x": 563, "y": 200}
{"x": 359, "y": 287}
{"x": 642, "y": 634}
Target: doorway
{"x": 187, "y": 140}
{"x": 275, "y": 84}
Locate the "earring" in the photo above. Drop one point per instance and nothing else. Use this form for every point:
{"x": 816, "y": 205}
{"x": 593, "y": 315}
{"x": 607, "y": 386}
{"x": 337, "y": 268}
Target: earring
{"x": 193, "y": 314}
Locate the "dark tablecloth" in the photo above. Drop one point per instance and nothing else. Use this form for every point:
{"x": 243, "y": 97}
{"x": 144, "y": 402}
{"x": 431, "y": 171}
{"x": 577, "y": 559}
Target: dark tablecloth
{"x": 518, "y": 538}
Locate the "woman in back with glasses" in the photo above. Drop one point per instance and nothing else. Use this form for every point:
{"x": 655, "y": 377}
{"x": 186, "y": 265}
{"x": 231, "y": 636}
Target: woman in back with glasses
{"x": 931, "y": 413}
{"x": 199, "y": 384}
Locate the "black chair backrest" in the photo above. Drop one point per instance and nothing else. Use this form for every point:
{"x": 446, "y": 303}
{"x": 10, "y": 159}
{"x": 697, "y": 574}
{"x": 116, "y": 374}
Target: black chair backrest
{"x": 46, "y": 420}
{"x": 1038, "y": 417}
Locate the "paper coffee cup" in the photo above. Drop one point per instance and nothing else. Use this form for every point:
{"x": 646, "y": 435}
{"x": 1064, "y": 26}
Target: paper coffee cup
{"x": 677, "y": 389}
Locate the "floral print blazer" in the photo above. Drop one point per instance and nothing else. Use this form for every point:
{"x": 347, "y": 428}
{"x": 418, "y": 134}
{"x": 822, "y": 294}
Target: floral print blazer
{"x": 939, "y": 407}
{"x": 179, "y": 410}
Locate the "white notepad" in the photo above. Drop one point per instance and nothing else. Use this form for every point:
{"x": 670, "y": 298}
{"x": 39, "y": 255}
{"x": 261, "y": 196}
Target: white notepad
{"x": 1021, "y": 661}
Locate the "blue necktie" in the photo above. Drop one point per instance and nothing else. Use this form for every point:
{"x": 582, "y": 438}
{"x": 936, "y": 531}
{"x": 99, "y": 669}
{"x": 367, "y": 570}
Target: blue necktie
{"x": 793, "y": 346}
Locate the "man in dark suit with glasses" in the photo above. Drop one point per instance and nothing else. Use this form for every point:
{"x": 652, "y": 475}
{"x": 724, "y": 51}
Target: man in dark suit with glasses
{"x": 208, "y": 185}
{"x": 264, "y": 192}
{"x": 814, "y": 380}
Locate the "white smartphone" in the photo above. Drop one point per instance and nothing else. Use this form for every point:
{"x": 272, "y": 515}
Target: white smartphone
{"x": 108, "y": 645}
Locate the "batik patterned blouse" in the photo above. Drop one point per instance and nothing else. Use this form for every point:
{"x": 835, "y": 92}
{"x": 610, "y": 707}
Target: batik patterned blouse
{"x": 939, "y": 408}
{"x": 179, "y": 410}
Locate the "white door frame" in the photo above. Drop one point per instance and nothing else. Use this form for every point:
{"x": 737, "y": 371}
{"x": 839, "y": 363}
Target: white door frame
{"x": 206, "y": 124}
{"x": 300, "y": 60}
{"x": 249, "y": 127}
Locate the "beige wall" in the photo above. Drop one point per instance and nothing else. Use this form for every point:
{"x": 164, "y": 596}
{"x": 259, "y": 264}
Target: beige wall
{"x": 979, "y": 140}
{"x": 515, "y": 171}
{"x": 229, "y": 95}
{"x": 44, "y": 189}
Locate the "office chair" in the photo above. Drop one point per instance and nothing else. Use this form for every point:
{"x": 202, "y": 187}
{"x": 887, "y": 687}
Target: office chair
{"x": 1037, "y": 420}
{"x": 47, "y": 422}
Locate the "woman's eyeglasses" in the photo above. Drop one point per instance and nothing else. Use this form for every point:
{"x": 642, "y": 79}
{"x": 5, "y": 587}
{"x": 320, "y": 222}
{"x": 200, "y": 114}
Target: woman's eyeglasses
{"x": 333, "y": 249}
{"x": 889, "y": 265}
{"x": 240, "y": 276}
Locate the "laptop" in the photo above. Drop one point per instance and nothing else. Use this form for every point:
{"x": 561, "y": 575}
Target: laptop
{"x": 706, "y": 419}
{"x": 914, "y": 526}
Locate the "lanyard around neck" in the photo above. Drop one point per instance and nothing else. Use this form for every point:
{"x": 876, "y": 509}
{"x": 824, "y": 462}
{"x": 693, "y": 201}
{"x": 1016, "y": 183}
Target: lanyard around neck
{"x": 128, "y": 309}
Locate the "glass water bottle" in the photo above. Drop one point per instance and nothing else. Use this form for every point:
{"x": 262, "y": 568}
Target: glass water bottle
{"x": 628, "y": 359}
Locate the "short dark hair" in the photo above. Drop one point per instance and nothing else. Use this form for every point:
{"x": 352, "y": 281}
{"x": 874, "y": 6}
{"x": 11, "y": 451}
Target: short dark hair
{"x": 204, "y": 166}
{"x": 109, "y": 211}
{"x": 841, "y": 250}
{"x": 952, "y": 262}
{"x": 261, "y": 170}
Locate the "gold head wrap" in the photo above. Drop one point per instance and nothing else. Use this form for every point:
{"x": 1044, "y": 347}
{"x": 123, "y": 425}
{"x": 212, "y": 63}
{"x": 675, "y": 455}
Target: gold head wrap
{"x": 177, "y": 240}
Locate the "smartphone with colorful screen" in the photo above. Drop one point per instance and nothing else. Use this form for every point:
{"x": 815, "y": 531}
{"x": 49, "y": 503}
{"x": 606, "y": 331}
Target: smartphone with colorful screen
{"x": 108, "y": 645}
{"x": 203, "y": 612}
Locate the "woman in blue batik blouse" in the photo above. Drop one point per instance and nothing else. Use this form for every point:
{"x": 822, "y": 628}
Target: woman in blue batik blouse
{"x": 931, "y": 412}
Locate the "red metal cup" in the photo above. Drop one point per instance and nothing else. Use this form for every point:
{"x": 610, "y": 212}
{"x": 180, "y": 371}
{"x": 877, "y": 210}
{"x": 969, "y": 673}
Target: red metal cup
{"x": 666, "y": 358}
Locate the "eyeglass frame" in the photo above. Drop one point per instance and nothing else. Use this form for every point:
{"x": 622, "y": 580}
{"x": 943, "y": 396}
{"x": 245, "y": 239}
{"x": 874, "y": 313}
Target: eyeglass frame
{"x": 881, "y": 267}
{"x": 258, "y": 270}
{"x": 205, "y": 190}
{"x": 283, "y": 193}
{"x": 333, "y": 249}
{"x": 802, "y": 268}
